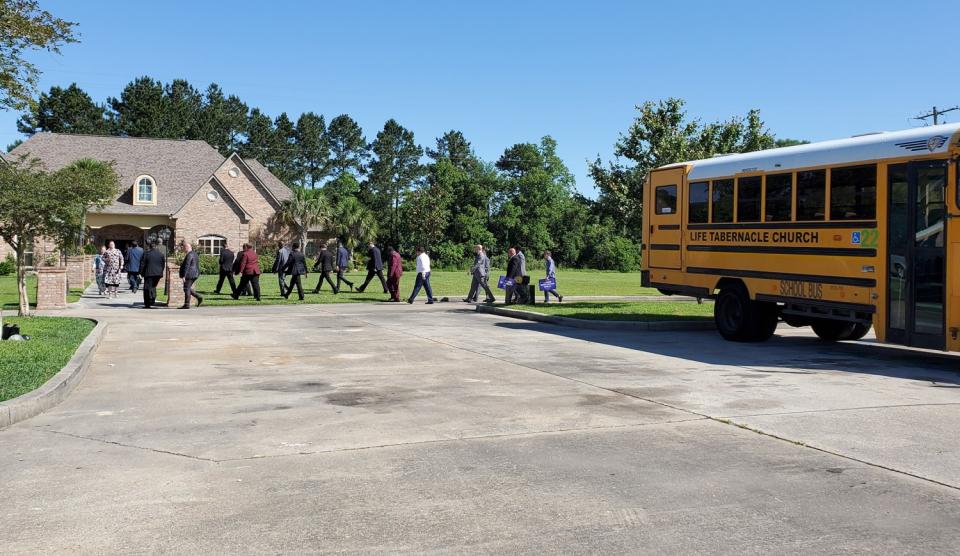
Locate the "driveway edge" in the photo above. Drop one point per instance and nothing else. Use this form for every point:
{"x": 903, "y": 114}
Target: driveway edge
{"x": 60, "y": 385}
{"x": 651, "y": 326}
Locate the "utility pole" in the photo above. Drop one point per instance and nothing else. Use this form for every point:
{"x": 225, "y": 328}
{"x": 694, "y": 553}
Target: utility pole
{"x": 936, "y": 114}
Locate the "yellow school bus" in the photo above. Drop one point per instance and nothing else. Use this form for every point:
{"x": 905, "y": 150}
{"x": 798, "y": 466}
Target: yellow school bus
{"x": 838, "y": 235}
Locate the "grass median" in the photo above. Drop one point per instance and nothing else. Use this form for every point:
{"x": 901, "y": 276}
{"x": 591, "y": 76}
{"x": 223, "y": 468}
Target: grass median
{"x": 446, "y": 283}
{"x": 625, "y": 310}
{"x": 10, "y": 299}
{"x": 24, "y": 366}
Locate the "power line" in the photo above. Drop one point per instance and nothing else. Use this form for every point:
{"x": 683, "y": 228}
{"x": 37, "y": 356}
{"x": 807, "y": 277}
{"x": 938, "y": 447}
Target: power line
{"x": 935, "y": 114}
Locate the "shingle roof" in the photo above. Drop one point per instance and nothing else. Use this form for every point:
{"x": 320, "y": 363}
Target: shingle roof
{"x": 273, "y": 183}
{"x": 179, "y": 167}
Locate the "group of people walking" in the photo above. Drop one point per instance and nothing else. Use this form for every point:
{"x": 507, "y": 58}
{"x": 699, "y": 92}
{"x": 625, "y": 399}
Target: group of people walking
{"x": 146, "y": 268}
{"x": 334, "y": 258}
{"x": 518, "y": 281}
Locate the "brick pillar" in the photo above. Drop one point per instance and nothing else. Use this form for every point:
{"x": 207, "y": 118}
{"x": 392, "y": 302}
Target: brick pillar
{"x": 76, "y": 278}
{"x": 174, "y": 285}
{"x": 88, "y": 269}
{"x": 51, "y": 288}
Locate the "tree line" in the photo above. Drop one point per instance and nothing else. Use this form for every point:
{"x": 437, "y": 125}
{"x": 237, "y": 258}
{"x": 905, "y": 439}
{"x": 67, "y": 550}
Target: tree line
{"x": 393, "y": 189}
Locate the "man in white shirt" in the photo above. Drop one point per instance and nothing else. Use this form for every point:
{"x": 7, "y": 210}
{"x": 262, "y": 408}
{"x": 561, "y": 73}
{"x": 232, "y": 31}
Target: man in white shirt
{"x": 423, "y": 277}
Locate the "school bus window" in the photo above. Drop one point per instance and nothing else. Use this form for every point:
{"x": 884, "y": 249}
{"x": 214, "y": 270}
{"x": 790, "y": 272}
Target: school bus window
{"x": 722, "y": 201}
{"x": 779, "y": 197}
{"x": 811, "y": 193}
{"x": 666, "y": 199}
{"x": 748, "y": 199}
{"x": 699, "y": 204}
{"x": 853, "y": 193}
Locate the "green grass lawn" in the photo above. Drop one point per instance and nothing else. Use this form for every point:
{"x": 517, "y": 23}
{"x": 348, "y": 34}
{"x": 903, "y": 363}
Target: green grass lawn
{"x": 10, "y": 300}
{"x": 452, "y": 284}
{"x": 24, "y": 366}
{"x": 625, "y": 310}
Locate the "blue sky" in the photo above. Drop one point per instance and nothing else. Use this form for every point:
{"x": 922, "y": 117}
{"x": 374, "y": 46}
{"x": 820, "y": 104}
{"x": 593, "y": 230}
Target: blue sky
{"x": 508, "y": 72}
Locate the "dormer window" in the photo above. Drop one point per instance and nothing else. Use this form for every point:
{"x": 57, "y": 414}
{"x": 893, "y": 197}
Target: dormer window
{"x": 145, "y": 191}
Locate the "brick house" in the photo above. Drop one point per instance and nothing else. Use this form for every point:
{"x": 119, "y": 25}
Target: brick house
{"x": 170, "y": 190}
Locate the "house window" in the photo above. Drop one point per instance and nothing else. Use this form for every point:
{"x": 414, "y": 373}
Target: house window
{"x": 28, "y": 250}
{"x": 145, "y": 191}
{"x": 211, "y": 245}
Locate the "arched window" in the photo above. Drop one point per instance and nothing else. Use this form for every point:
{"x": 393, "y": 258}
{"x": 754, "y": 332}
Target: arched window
{"x": 145, "y": 191}
{"x": 211, "y": 245}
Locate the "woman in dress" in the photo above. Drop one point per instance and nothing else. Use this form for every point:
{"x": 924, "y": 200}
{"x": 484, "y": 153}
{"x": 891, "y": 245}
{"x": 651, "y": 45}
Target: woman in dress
{"x": 112, "y": 263}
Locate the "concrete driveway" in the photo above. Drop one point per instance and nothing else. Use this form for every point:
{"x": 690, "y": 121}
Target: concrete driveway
{"x": 390, "y": 428}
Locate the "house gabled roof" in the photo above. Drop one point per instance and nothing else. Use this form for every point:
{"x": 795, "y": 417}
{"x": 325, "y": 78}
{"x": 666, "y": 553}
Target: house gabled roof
{"x": 271, "y": 183}
{"x": 179, "y": 167}
{"x": 222, "y": 190}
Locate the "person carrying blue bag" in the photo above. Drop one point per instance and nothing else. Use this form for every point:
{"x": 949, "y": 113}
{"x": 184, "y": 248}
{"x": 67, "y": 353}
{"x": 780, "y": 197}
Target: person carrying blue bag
{"x": 551, "y": 278}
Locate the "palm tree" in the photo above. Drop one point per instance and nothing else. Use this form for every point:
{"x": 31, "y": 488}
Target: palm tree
{"x": 307, "y": 208}
{"x": 354, "y": 223}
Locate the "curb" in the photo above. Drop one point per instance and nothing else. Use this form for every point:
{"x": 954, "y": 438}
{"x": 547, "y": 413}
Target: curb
{"x": 651, "y": 326}
{"x": 55, "y": 390}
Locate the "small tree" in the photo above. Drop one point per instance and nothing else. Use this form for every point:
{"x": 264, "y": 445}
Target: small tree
{"x": 24, "y": 29}
{"x": 305, "y": 209}
{"x": 354, "y": 223}
{"x": 35, "y": 203}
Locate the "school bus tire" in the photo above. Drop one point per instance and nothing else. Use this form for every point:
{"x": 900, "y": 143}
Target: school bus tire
{"x": 834, "y": 330}
{"x": 766, "y": 316}
{"x": 737, "y": 317}
{"x": 858, "y": 331}
{"x": 796, "y": 321}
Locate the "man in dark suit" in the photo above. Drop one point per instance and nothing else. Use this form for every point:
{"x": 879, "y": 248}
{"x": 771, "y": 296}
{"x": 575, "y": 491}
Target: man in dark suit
{"x": 296, "y": 267}
{"x": 325, "y": 265}
{"x": 190, "y": 272}
{"x": 226, "y": 269}
{"x": 133, "y": 259}
{"x": 152, "y": 267}
{"x": 343, "y": 265}
{"x": 374, "y": 268}
{"x": 279, "y": 263}
{"x": 513, "y": 271}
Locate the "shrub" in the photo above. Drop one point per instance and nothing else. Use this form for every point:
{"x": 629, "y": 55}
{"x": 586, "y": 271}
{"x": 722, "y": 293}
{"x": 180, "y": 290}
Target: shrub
{"x": 209, "y": 264}
{"x": 266, "y": 261}
{"x": 450, "y": 255}
{"x": 616, "y": 253}
{"x": 8, "y": 266}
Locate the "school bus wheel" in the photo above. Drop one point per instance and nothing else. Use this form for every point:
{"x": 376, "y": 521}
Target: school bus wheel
{"x": 838, "y": 330}
{"x": 766, "y": 315}
{"x": 859, "y": 331}
{"x": 739, "y": 319}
